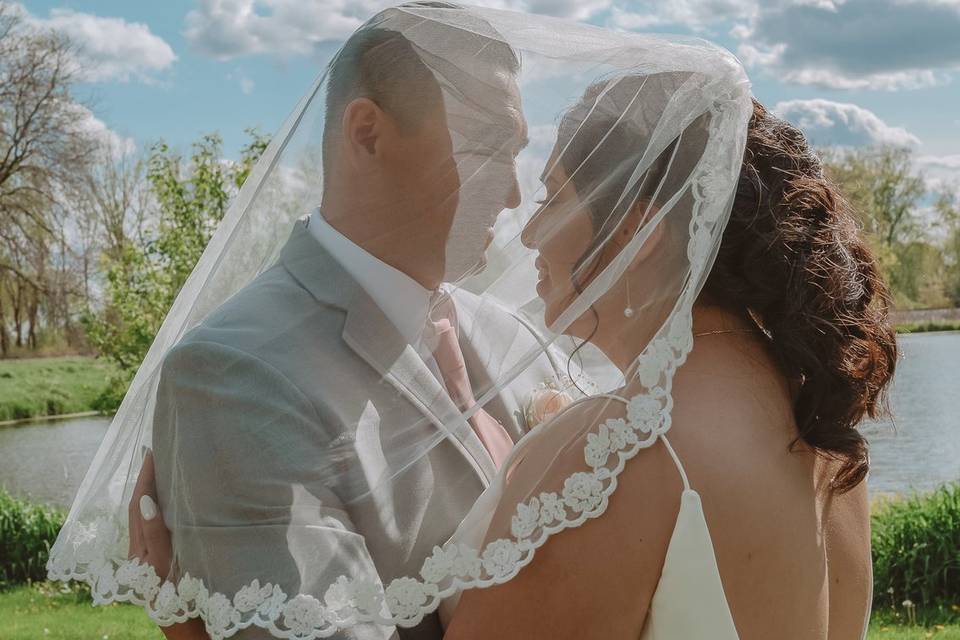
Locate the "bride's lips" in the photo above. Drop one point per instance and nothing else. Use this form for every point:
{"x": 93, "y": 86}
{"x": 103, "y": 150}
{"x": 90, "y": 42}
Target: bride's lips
{"x": 542, "y": 272}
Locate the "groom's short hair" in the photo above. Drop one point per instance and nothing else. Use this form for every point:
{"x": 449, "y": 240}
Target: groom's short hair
{"x": 380, "y": 63}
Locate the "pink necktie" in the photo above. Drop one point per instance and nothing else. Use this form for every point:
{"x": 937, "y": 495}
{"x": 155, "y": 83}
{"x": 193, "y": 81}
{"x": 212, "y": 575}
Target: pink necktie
{"x": 449, "y": 359}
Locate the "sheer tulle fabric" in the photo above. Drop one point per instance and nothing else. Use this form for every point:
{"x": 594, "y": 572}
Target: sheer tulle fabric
{"x": 311, "y": 456}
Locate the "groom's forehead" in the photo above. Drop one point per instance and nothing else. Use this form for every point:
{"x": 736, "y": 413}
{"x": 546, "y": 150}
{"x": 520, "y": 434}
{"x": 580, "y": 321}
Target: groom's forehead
{"x": 497, "y": 118}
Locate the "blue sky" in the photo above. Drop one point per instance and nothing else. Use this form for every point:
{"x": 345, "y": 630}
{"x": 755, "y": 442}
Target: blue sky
{"x": 848, "y": 72}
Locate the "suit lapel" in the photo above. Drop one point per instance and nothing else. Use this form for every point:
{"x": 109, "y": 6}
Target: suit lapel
{"x": 374, "y": 338}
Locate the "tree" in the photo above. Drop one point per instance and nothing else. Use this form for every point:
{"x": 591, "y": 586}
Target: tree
{"x": 144, "y": 278}
{"x": 886, "y": 194}
{"x": 948, "y": 210}
{"x": 884, "y": 188}
{"x": 44, "y": 147}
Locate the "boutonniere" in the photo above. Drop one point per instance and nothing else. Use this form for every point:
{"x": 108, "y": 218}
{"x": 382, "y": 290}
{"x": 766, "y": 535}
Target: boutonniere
{"x": 547, "y": 400}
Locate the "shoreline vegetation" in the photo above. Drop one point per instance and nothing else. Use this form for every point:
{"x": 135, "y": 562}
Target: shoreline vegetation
{"x": 914, "y": 539}
{"x": 928, "y": 326}
{"x": 52, "y": 387}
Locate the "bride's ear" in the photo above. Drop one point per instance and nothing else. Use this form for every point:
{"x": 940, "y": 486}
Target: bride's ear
{"x": 362, "y": 129}
{"x": 637, "y": 219}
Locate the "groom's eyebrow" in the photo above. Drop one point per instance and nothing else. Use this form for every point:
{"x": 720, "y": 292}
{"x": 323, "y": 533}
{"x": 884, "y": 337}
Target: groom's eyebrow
{"x": 520, "y": 131}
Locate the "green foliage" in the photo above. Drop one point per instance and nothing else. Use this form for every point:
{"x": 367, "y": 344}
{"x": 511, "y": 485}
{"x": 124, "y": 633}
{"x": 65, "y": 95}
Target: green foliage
{"x": 112, "y": 395}
{"x": 33, "y": 387}
{"x": 916, "y": 549}
{"x": 27, "y": 531}
{"x": 948, "y": 210}
{"x": 142, "y": 283}
{"x": 886, "y": 195}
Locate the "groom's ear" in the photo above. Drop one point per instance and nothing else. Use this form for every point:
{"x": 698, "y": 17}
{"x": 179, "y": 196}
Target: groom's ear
{"x": 362, "y": 127}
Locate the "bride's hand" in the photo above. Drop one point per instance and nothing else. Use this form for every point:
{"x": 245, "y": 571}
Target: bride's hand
{"x": 150, "y": 542}
{"x": 149, "y": 538}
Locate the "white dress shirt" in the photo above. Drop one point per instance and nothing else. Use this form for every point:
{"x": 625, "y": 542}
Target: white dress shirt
{"x": 403, "y": 300}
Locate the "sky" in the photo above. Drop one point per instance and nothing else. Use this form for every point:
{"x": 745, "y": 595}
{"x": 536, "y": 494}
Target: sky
{"x": 848, "y": 72}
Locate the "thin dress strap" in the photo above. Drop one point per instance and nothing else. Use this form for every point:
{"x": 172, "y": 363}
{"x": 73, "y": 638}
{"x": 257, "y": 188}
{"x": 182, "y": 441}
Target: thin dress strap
{"x": 676, "y": 460}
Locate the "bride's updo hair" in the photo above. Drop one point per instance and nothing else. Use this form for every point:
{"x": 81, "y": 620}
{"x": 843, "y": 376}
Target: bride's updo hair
{"x": 791, "y": 257}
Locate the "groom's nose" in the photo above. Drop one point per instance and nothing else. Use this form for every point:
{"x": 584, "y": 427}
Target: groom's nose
{"x": 514, "y": 198}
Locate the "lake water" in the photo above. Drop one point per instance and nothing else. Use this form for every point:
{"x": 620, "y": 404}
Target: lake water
{"x": 921, "y": 448}
{"x": 46, "y": 460}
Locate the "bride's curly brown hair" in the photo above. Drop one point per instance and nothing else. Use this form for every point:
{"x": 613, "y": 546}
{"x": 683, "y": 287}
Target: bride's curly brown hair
{"x": 792, "y": 254}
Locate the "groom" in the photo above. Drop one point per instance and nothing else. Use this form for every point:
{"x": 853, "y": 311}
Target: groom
{"x": 307, "y": 429}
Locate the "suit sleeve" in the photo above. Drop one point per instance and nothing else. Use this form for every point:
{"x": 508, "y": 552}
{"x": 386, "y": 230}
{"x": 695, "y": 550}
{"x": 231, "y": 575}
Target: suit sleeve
{"x": 240, "y": 454}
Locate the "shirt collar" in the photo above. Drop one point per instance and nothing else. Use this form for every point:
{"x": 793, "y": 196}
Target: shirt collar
{"x": 404, "y": 301}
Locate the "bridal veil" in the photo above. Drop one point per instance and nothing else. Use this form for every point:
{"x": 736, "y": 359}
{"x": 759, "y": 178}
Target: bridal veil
{"x": 619, "y": 150}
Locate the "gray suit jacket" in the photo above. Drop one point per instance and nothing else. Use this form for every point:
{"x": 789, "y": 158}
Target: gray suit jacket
{"x": 275, "y": 429}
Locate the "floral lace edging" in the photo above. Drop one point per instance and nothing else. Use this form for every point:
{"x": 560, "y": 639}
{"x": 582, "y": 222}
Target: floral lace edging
{"x": 90, "y": 553}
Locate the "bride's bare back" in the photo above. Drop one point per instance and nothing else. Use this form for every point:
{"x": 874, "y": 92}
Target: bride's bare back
{"x": 794, "y": 558}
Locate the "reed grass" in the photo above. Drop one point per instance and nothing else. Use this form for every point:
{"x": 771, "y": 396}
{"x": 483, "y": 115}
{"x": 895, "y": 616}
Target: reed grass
{"x": 27, "y": 531}
{"x": 916, "y": 549}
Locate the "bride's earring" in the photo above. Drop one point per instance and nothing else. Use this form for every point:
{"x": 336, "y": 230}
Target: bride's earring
{"x": 628, "y": 310}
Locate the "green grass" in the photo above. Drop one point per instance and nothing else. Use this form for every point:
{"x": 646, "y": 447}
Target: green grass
{"x": 33, "y": 387}
{"x": 932, "y": 325}
{"x": 46, "y": 610}
{"x": 891, "y": 623}
{"x": 49, "y": 611}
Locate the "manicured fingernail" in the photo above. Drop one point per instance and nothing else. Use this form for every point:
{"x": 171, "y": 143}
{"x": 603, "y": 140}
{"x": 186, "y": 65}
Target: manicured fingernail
{"x": 143, "y": 451}
{"x": 148, "y": 508}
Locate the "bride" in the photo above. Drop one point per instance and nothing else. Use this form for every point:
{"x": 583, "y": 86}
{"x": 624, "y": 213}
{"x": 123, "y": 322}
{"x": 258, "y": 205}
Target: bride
{"x": 696, "y": 473}
{"x": 752, "y": 518}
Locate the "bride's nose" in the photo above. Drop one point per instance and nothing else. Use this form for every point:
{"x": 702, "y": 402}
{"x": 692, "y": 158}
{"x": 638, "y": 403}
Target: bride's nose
{"x": 529, "y": 236}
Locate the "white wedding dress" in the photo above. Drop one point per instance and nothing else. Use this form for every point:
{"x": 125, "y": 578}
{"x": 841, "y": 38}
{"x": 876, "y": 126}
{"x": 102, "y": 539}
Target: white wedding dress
{"x": 690, "y": 577}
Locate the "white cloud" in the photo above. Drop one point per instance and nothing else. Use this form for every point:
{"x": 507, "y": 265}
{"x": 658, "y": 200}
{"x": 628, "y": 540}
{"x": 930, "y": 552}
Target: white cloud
{"x": 93, "y": 126}
{"x": 825, "y": 122}
{"x": 854, "y": 44}
{"x": 694, "y": 14}
{"x": 108, "y": 48}
{"x": 838, "y": 44}
{"x": 227, "y": 29}
{"x": 918, "y": 79}
{"x": 951, "y": 162}
{"x": 940, "y": 171}
{"x": 246, "y": 85}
